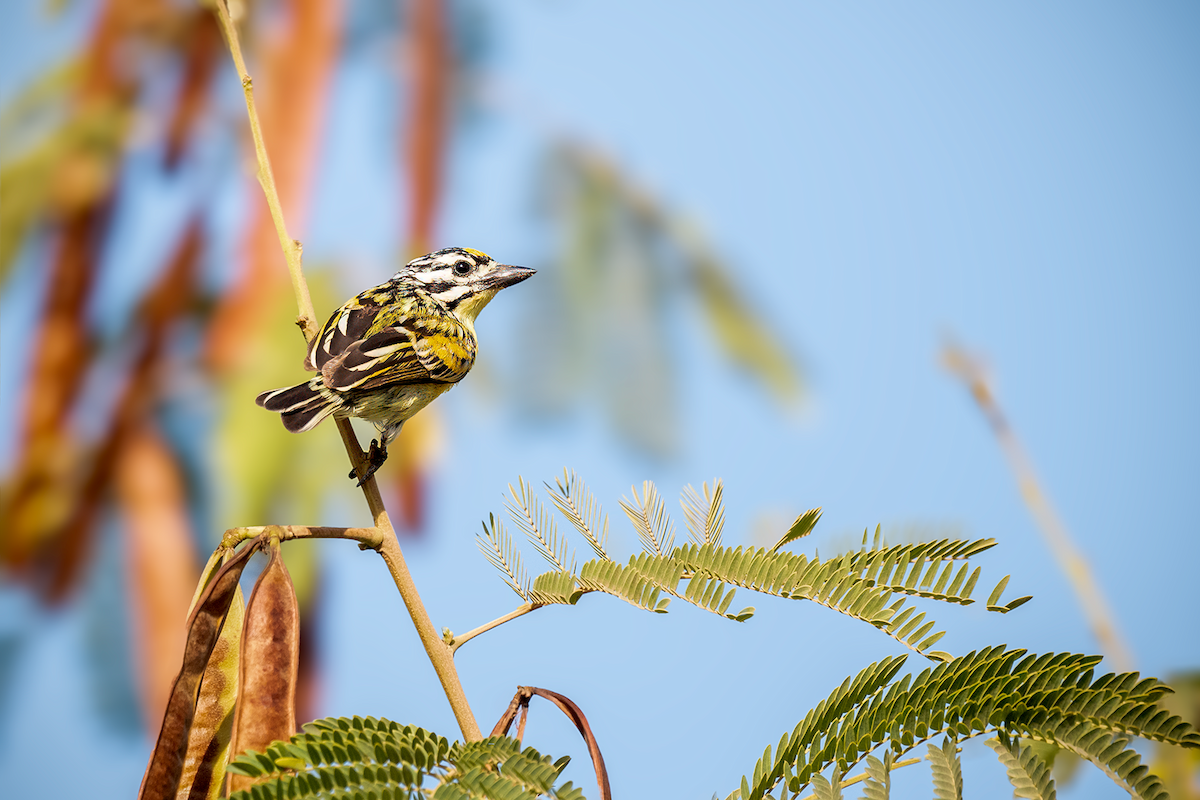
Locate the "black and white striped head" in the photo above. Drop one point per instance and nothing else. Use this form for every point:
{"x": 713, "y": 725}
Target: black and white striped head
{"x": 462, "y": 279}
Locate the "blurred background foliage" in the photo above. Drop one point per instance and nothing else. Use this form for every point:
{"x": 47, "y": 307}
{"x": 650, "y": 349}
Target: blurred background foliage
{"x": 134, "y": 439}
{"x": 134, "y": 415}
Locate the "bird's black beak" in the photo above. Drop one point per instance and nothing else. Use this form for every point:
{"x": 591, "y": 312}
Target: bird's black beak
{"x": 505, "y": 275}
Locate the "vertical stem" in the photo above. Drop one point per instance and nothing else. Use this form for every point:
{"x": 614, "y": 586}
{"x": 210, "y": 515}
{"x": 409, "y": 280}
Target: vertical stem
{"x": 291, "y": 248}
{"x": 1070, "y": 558}
{"x": 438, "y": 651}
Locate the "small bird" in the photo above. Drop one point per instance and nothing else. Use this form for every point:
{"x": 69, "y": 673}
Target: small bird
{"x": 390, "y": 351}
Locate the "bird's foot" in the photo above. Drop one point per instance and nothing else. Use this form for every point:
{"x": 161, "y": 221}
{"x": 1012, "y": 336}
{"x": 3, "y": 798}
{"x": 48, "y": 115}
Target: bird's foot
{"x": 375, "y": 458}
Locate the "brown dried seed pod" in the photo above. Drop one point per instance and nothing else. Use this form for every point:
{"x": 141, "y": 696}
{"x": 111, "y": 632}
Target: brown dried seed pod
{"x": 212, "y": 729}
{"x": 161, "y": 780}
{"x": 266, "y": 709}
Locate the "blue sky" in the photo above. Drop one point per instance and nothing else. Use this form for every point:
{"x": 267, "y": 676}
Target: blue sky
{"x": 1025, "y": 178}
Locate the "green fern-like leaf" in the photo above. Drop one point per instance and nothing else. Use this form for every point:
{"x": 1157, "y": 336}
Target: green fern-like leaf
{"x": 531, "y": 517}
{"x": 924, "y": 569}
{"x": 878, "y": 785}
{"x": 1028, "y": 774}
{"x": 554, "y": 588}
{"x": 705, "y": 516}
{"x": 800, "y": 528}
{"x": 366, "y": 757}
{"x": 497, "y": 547}
{"x": 1109, "y": 752}
{"x": 811, "y": 730}
{"x": 875, "y": 584}
{"x": 580, "y": 508}
{"x": 834, "y": 583}
{"x": 947, "y": 771}
{"x": 623, "y": 582}
{"x": 1051, "y": 697}
{"x": 648, "y": 513}
{"x": 827, "y": 788}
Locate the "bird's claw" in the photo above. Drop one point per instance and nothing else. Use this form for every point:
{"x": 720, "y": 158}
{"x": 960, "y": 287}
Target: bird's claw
{"x": 375, "y": 458}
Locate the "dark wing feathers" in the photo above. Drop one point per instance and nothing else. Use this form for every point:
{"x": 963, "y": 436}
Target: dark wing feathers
{"x": 292, "y": 397}
{"x": 401, "y": 338}
{"x": 301, "y": 406}
{"x": 402, "y": 355}
{"x": 350, "y": 324}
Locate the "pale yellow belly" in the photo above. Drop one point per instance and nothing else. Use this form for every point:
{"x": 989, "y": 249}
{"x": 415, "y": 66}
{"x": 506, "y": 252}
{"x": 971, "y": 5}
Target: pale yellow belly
{"x": 390, "y": 408}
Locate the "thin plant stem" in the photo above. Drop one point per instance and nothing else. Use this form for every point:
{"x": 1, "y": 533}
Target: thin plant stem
{"x": 367, "y": 538}
{"x": 1070, "y": 558}
{"x": 862, "y": 776}
{"x": 439, "y": 652}
{"x": 459, "y": 641}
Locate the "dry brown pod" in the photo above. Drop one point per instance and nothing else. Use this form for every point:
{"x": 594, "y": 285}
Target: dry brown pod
{"x": 212, "y": 728}
{"x": 270, "y": 660}
{"x": 161, "y": 781}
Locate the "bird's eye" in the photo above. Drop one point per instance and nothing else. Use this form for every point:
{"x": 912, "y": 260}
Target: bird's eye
{"x": 462, "y": 268}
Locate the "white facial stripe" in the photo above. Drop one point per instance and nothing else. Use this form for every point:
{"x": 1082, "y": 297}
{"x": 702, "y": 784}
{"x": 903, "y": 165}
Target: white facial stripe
{"x": 453, "y": 293}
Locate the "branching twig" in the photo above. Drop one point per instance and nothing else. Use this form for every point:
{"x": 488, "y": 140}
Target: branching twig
{"x": 574, "y": 713}
{"x": 388, "y": 546}
{"x": 456, "y": 642}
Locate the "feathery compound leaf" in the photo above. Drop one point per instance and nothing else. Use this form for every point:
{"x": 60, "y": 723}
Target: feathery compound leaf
{"x": 1051, "y": 697}
{"x": 923, "y": 569}
{"x": 800, "y": 528}
{"x": 878, "y": 785}
{"x": 365, "y": 757}
{"x": 1028, "y": 774}
{"x": 947, "y": 770}
{"x": 705, "y": 516}
{"x": 1108, "y": 752}
{"x": 833, "y": 583}
{"x": 649, "y": 517}
{"x": 827, "y": 788}
{"x": 624, "y": 582}
{"x": 497, "y": 547}
{"x": 793, "y": 748}
{"x": 554, "y": 587}
{"x": 580, "y": 508}
{"x": 530, "y": 516}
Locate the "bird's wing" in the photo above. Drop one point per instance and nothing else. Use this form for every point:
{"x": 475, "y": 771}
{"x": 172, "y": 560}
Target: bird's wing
{"x": 347, "y": 326}
{"x": 399, "y": 347}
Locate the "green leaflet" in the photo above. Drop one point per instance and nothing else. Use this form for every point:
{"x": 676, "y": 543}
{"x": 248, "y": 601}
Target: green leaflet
{"x": 497, "y": 547}
{"x": 947, "y": 771}
{"x": 538, "y": 525}
{"x": 800, "y": 528}
{"x": 827, "y": 788}
{"x": 705, "y": 516}
{"x": 580, "y": 508}
{"x": 1028, "y": 774}
{"x": 874, "y": 584}
{"x": 368, "y": 757}
{"x": 621, "y": 255}
{"x": 1107, "y": 751}
{"x": 648, "y": 514}
{"x": 1051, "y": 697}
{"x": 878, "y": 785}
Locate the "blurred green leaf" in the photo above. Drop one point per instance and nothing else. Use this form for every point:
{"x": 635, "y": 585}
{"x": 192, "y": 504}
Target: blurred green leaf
{"x": 604, "y": 326}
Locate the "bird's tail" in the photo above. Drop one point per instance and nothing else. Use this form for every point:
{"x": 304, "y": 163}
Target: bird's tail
{"x": 301, "y": 406}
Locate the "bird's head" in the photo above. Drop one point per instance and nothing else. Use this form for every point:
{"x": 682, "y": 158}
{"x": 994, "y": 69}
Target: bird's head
{"x": 462, "y": 279}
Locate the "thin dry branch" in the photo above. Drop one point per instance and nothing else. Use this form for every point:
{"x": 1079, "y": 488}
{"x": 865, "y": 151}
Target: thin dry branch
{"x": 1071, "y": 560}
{"x": 389, "y": 547}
